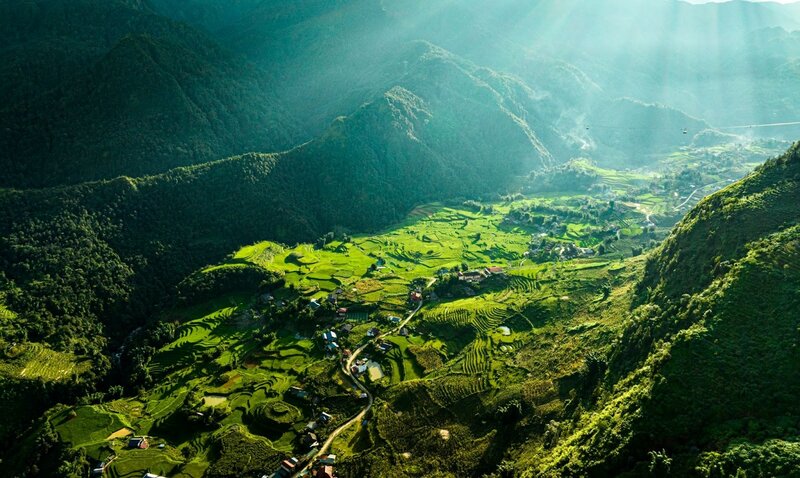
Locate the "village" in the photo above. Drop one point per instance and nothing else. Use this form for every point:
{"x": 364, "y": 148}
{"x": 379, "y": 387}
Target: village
{"x": 292, "y": 370}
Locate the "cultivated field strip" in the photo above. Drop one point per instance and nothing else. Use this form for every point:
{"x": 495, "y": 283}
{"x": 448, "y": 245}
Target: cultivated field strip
{"x": 454, "y": 388}
{"x": 477, "y": 357}
{"x": 483, "y": 316}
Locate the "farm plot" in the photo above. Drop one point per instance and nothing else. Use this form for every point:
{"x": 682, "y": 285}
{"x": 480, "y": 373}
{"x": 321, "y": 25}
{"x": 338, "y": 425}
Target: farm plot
{"x": 477, "y": 357}
{"x": 85, "y": 425}
{"x": 451, "y": 389}
{"x": 135, "y": 463}
{"x": 403, "y": 364}
{"x": 40, "y": 362}
{"x": 479, "y": 313}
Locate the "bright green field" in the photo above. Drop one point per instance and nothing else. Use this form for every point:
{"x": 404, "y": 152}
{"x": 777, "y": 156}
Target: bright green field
{"x": 228, "y": 358}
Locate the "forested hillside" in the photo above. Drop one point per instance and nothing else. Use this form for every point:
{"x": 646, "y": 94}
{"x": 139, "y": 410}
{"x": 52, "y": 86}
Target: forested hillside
{"x": 700, "y": 382}
{"x": 136, "y": 238}
{"x": 134, "y": 94}
{"x": 500, "y": 239}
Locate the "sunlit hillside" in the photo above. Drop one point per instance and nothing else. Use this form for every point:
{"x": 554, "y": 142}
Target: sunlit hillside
{"x": 399, "y": 238}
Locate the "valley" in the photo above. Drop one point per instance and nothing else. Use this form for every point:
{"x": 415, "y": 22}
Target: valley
{"x": 399, "y": 238}
{"x": 516, "y": 298}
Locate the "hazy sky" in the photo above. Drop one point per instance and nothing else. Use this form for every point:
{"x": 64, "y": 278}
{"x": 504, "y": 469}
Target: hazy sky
{"x": 718, "y": 1}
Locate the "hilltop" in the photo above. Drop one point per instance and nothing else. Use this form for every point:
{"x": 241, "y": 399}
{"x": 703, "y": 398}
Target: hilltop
{"x": 136, "y": 94}
{"x": 391, "y": 155}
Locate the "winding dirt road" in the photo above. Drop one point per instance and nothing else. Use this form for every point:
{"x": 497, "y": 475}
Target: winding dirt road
{"x": 370, "y": 398}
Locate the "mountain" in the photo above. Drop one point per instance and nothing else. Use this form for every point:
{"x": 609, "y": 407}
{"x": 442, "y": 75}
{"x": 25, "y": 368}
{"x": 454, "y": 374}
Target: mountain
{"x": 700, "y": 382}
{"x": 155, "y": 95}
{"x": 666, "y": 64}
{"x": 425, "y": 139}
{"x": 620, "y": 130}
{"x": 210, "y": 15}
{"x": 160, "y": 93}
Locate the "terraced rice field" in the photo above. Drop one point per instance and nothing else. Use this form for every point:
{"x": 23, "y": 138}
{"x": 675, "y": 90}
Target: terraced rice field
{"x": 85, "y": 425}
{"x": 477, "y": 357}
{"x": 41, "y": 362}
{"x": 449, "y": 390}
{"x": 136, "y": 463}
{"x": 483, "y": 315}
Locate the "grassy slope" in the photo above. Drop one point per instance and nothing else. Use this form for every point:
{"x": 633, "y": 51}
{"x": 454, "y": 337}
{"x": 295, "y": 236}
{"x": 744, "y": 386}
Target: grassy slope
{"x": 710, "y": 359}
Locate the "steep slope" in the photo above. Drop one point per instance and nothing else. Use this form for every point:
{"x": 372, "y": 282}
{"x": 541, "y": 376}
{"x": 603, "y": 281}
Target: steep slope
{"x": 209, "y": 14}
{"x": 658, "y": 51}
{"x": 422, "y": 142}
{"x": 161, "y": 96}
{"x": 702, "y": 382}
{"x": 623, "y": 132}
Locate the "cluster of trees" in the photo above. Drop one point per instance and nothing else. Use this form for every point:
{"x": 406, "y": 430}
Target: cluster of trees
{"x": 574, "y": 175}
{"x": 477, "y": 206}
{"x": 541, "y": 213}
{"x": 329, "y": 237}
{"x": 206, "y": 284}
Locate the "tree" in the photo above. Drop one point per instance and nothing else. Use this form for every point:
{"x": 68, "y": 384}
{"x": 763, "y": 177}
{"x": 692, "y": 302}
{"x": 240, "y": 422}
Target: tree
{"x": 660, "y": 464}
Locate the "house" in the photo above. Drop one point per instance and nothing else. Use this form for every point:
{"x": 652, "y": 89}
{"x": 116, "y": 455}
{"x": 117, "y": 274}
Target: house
{"x": 341, "y": 311}
{"x": 403, "y": 332}
{"x": 313, "y": 304}
{"x": 472, "y": 276}
{"x": 363, "y": 396}
{"x": 309, "y": 440}
{"x": 311, "y": 426}
{"x": 494, "y": 270}
{"x": 346, "y": 329}
{"x": 151, "y": 475}
{"x": 289, "y": 465}
{"x": 100, "y": 469}
{"x": 504, "y": 330}
{"x": 332, "y": 298}
{"x": 358, "y": 369}
{"x": 324, "y": 472}
{"x": 393, "y": 319}
{"x": 385, "y": 347}
{"x": 415, "y": 296}
{"x": 138, "y": 442}
{"x": 328, "y": 460}
{"x": 298, "y": 392}
{"x": 373, "y": 332}
{"x": 332, "y": 347}
{"x": 347, "y": 353}
{"x": 329, "y": 336}
{"x": 325, "y": 417}
{"x": 310, "y": 455}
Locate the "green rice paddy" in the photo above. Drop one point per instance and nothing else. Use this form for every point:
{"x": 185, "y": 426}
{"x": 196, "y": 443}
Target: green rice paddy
{"x": 220, "y": 364}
